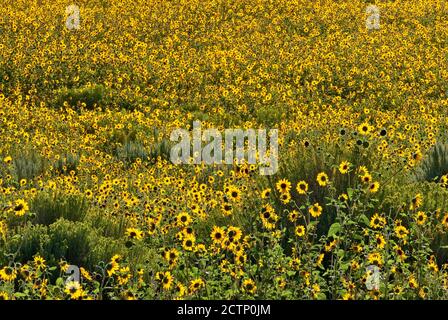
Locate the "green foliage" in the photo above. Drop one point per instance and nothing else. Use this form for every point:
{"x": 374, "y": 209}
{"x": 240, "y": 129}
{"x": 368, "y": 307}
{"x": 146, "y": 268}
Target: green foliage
{"x": 435, "y": 163}
{"x": 65, "y": 164}
{"x": 28, "y": 164}
{"x": 130, "y": 151}
{"x": 89, "y": 96}
{"x": 49, "y": 207}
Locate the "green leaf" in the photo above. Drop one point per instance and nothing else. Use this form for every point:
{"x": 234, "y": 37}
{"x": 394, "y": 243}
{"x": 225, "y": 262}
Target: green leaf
{"x": 335, "y": 228}
{"x": 59, "y": 281}
{"x": 365, "y": 220}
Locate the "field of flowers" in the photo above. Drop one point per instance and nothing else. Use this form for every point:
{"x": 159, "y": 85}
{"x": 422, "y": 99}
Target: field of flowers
{"x": 357, "y": 210}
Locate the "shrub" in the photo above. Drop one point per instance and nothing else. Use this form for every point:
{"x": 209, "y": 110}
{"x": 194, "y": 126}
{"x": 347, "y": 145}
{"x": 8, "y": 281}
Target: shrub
{"x": 130, "y": 151}
{"x": 89, "y": 96}
{"x": 69, "y": 162}
{"x": 28, "y": 164}
{"x": 50, "y": 207}
{"x": 434, "y": 165}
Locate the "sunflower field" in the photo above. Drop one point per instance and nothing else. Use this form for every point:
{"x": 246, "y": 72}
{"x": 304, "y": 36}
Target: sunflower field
{"x": 91, "y": 207}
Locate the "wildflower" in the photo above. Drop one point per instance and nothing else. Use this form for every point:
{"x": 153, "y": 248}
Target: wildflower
{"x": 374, "y": 187}
{"x": 302, "y": 187}
{"x": 134, "y": 233}
{"x": 416, "y": 202}
{"x": 188, "y": 243}
{"x": 249, "y": 286}
{"x": 344, "y": 167}
{"x": 283, "y": 186}
{"x": 322, "y": 179}
{"x": 315, "y": 210}
{"x": 39, "y": 262}
{"x": 420, "y": 218}
{"x": 196, "y": 285}
{"x": 375, "y": 258}
{"x": 266, "y": 193}
{"x": 300, "y": 231}
{"x": 217, "y": 235}
{"x": 20, "y": 207}
{"x": 377, "y": 222}
{"x": 401, "y": 232}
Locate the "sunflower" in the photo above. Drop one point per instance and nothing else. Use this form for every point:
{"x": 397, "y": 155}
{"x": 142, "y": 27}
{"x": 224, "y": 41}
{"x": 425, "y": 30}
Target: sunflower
{"x": 413, "y": 284}
{"x": 283, "y": 186}
{"x": 300, "y": 231}
{"x": 293, "y": 215}
{"x": 8, "y": 274}
{"x": 416, "y": 202}
{"x": 7, "y": 160}
{"x": 88, "y": 193}
{"x": 420, "y": 218}
{"x": 322, "y": 179}
{"x": 344, "y": 167}
{"x": 226, "y": 209}
{"x": 302, "y": 187}
{"x": 73, "y": 288}
{"x": 401, "y": 232}
{"x": 188, "y": 243}
{"x": 217, "y": 234}
{"x": 366, "y": 178}
{"x": 375, "y": 259}
{"x": 445, "y": 220}
{"x": 3, "y": 296}
{"x": 234, "y": 234}
{"x": 374, "y": 187}
{"x": 196, "y": 285}
{"x": 365, "y": 128}
{"x": 183, "y": 219}
{"x": 380, "y": 242}
{"x": 319, "y": 260}
{"x": 315, "y": 210}
{"x": 134, "y": 233}
{"x": 266, "y": 193}
{"x": 343, "y": 197}
{"x": 20, "y": 207}
{"x": 165, "y": 278}
{"x": 181, "y": 290}
{"x": 171, "y": 256}
{"x": 249, "y": 286}
{"x": 39, "y": 262}
{"x": 285, "y": 198}
{"x": 377, "y": 222}
{"x": 234, "y": 194}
